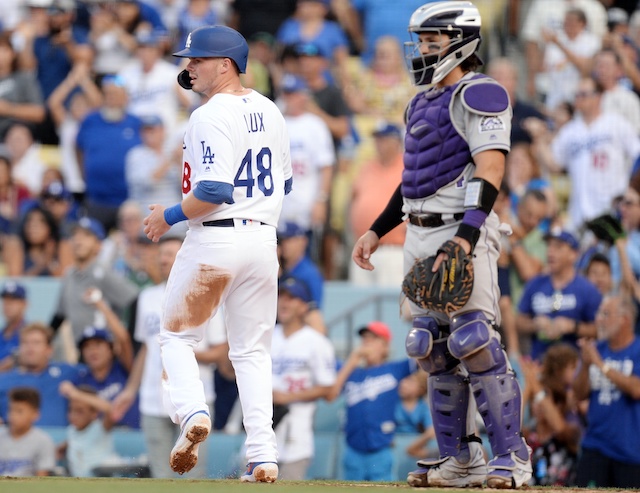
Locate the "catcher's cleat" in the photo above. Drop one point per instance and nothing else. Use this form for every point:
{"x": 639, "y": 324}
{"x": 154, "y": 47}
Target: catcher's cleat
{"x": 509, "y": 471}
{"x": 184, "y": 455}
{"x": 449, "y": 472}
{"x": 260, "y": 472}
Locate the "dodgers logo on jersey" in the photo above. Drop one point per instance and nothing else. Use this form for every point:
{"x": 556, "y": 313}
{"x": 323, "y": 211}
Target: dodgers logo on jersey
{"x": 491, "y": 124}
{"x": 206, "y": 154}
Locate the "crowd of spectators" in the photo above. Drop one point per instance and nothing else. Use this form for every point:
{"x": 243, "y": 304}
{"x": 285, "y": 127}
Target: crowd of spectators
{"x": 91, "y": 121}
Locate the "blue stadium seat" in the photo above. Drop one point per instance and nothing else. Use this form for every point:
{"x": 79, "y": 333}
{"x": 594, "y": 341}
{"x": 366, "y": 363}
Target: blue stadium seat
{"x": 329, "y": 415}
{"x": 225, "y": 455}
{"x": 403, "y": 464}
{"x": 324, "y": 463}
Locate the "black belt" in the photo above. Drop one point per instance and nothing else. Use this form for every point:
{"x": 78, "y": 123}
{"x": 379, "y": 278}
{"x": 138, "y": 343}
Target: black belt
{"x": 223, "y": 223}
{"x": 433, "y": 220}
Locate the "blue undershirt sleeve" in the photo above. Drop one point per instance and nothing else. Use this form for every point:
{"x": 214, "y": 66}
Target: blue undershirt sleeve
{"x": 214, "y": 192}
{"x": 288, "y": 184}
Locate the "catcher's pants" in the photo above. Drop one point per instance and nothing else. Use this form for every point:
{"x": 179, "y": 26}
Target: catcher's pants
{"x": 424, "y": 242}
{"x": 237, "y": 266}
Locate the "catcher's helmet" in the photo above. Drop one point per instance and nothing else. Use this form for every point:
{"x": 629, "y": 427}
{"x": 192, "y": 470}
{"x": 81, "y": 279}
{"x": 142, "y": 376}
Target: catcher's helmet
{"x": 458, "y": 20}
{"x": 216, "y": 42}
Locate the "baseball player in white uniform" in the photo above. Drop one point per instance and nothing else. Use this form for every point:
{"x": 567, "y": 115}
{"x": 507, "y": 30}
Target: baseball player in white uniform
{"x": 236, "y": 171}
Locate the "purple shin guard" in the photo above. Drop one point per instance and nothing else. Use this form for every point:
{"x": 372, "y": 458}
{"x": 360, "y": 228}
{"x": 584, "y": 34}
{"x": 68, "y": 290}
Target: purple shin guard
{"x": 449, "y": 402}
{"x": 499, "y": 403}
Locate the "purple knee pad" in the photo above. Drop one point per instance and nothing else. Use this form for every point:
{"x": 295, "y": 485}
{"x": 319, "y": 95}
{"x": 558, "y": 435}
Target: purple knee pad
{"x": 499, "y": 403}
{"x": 419, "y": 341}
{"x": 472, "y": 341}
{"x": 423, "y": 342}
{"x": 449, "y": 403}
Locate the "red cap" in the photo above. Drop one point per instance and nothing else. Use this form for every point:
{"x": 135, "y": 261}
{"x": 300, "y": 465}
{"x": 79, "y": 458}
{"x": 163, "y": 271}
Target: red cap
{"x": 377, "y": 328}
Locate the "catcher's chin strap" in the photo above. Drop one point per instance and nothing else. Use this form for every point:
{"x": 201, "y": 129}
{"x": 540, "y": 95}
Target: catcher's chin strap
{"x": 478, "y": 202}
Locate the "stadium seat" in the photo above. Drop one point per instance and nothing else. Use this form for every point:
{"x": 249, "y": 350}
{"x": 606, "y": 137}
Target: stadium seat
{"x": 324, "y": 463}
{"x": 329, "y": 415}
{"x": 225, "y": 455}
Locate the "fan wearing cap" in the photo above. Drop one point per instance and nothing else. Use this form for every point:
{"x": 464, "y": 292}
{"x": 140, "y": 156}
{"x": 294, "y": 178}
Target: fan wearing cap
{"x": 86, "y": 274}
{"x": 369, "y": 384}
{"x": 303, "y": 372}
{"x": 293, "y": 245}
{"x": 312, "y": 158}
{"x": 560, "y": 305}
{"x": 108, "y": 354}
{"x": 14, "y": 308}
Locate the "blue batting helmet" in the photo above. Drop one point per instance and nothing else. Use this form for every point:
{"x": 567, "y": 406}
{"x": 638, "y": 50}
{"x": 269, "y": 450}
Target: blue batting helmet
{"x": 216, "y": 42}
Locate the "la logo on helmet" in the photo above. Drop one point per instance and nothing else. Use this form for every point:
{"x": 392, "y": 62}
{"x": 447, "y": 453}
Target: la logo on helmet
{"x": 188, "y": 42}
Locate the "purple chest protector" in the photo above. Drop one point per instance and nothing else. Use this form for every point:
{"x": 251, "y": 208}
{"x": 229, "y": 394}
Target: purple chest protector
{"x": 435, "y": 153}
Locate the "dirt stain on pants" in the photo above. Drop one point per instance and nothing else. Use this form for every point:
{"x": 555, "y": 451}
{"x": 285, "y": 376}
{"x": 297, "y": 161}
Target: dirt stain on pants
{"x": 201, "y": 299}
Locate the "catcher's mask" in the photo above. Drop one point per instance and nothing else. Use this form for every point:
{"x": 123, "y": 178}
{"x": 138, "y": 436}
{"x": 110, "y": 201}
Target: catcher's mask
{"x": 459, "y": 21}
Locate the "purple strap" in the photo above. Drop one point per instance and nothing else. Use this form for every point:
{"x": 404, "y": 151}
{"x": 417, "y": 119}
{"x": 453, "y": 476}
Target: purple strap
{"x": 475, "y": 218}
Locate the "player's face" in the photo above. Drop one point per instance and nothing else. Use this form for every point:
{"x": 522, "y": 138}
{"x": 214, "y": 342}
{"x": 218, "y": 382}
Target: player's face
{"x": 21, "y": 416}
{"x": 204, "y": 73}
{"x": 432, "y": 43}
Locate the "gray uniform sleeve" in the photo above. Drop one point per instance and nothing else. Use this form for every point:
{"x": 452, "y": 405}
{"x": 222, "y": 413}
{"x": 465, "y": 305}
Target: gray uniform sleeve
{"x": 485, "y": 123}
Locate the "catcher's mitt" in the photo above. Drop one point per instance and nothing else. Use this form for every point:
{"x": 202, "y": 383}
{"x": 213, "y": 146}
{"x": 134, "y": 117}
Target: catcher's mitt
{"x": 446, "y": 290}
{"x": 607, "y": 228}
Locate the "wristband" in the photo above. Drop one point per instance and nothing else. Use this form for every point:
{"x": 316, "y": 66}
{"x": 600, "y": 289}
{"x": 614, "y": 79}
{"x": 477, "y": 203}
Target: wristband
{"x": 174, "y": 214}
{"x": 469, "y": 233}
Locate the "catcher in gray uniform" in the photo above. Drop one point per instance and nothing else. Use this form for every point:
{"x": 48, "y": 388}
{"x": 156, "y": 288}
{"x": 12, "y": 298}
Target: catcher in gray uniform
{"x": 455, "y": 146}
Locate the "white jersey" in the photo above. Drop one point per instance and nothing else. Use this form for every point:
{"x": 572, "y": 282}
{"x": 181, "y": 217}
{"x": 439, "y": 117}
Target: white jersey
{"x": 148, "y": 315}
{"x": 311, "y": 151}
{"x": 549, "y": 14}
{"x": 303, "y": 360}
{"x": 153, "y": 93}
{"x": 625, "y": 102}
{"x": 560, "y": 78}
{"x": 241, "y": 141}
{"x": 598, "y": 158}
